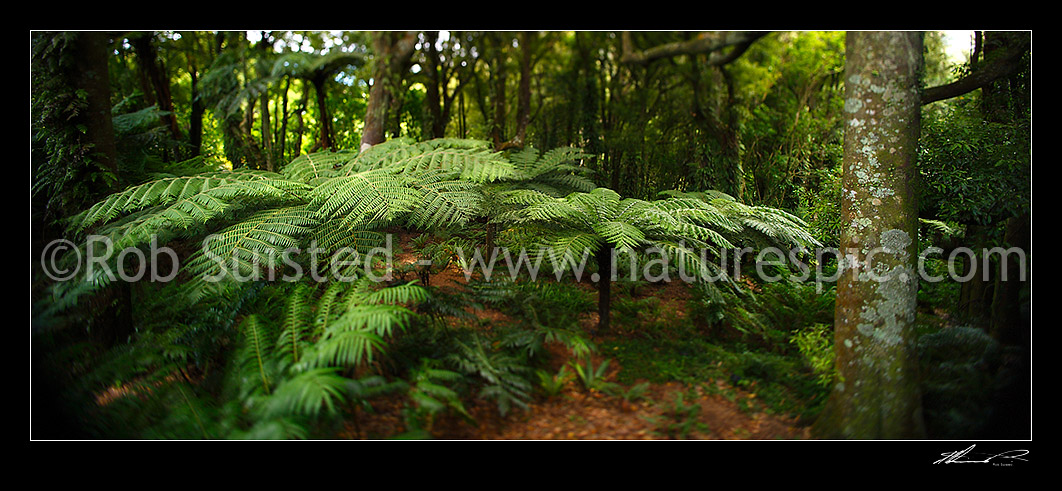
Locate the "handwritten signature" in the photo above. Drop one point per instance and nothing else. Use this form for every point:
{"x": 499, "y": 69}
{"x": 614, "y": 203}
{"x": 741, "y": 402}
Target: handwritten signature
{"x": 960, "y": 456}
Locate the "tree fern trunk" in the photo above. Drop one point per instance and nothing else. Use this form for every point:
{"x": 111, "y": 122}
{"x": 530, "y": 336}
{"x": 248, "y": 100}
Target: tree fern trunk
{"x": 604, "y": 287}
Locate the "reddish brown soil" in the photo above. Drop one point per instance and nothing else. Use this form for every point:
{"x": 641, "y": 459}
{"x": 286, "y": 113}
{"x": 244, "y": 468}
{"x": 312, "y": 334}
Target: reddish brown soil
{"x": 575, "y": 413}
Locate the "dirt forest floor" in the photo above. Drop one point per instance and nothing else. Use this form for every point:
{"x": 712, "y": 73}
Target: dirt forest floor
{"x": 578, "y": 414}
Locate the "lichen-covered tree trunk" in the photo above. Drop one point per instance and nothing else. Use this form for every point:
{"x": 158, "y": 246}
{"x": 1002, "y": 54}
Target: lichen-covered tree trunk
{"x": 876, "y": 394}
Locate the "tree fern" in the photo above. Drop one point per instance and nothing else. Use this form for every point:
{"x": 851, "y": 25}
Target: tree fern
{"x": 297, "y": 328}
{"x": 317, "y": 165}
{"x": 444, "y": 200}
{"x": 258, "y": 350}
{"x": 188, "y": 198}
{"x": 362, "y": 198}
{"x": 257, "y": 241}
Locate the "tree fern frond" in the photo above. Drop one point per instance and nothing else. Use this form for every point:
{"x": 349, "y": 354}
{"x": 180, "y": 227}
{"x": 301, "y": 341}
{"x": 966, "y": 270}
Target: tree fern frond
{"x": 620, "y": 234}
{"x": 443, "y": 201}
{"x": 196, "y": 189}
{"x": 259, "y": 240}
{"x": 363, "y": 197}
{"x": 297, "y": 328}
{"x": 331, "y": 236}
{"x": 309, "y": 166}
{"x": 259, "y": 346}
{"x": 476, "y": 165}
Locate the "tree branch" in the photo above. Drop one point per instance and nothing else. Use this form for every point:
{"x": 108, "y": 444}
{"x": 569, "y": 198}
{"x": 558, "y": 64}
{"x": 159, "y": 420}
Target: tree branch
{"x": 704, "y": 43}
{"x": 1000, "y": 67}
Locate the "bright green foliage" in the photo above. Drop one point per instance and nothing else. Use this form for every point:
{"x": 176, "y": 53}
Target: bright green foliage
{"x": 816, "y": 344}
{"x": 552, "y": 384}
{"x": 594, "y": 378}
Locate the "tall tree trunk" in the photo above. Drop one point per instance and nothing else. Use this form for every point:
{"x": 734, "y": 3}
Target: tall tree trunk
{"x": 280, "y": 139}
{"x": 432, "y": 96}
{"x": 461, "y": 115}
{"x": 267, "y": 139}
{"x": 876, "y": 394}
{"x": 499, "y": 77}
{"x": 325, "y": 138}
{"x": 733, "y": 172}
{"x": 393, "y": 51}
{"x": 195, "y": 118}
{"x": 523, "y": 92}
{"x": 974, "y": 293}
{"x": 301, "y": 128}
{"x": 93, "y": 80}
{"x": 265, "y": 46}
{"x": 147, "y": 55}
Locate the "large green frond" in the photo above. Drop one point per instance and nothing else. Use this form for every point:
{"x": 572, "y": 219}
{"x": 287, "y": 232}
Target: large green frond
{"x": 362, "y": 198}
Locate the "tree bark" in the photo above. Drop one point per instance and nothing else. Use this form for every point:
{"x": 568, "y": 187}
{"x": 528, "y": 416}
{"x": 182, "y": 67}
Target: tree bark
{"x": 499, "y": 76}
{"x": 147, "y": 54}
{"x": 325, "y": 138}
{"x": 93, "y": 79}
{"x": 195, "y": 118}
{"x": 876, "y": 394}
{"x": 432, "y": 96}
{"x": 392, "y": 54}
{"x": 708, "y": 42}
{"x": 281, "y": 137}
{"x": 301, "y": 128}
{"x": 523, "y": 93}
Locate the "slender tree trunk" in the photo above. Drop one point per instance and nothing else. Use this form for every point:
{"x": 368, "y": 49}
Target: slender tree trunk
{"x": 734, "y": 173}
{"x": 523, "y": 93}
{"x": 147, "y": 54}
{"x": 282, "y": 135}
{"x": 265, "y": 46}
{"x": 461, "y": 112}
{"x": 432, "y": 96}
{"x": 876, "y": 394}
{"x": 267, "y": 140}
{"x": 604, "y": 287}
{"x": 301, "y": 129}
{"x": 195, "y": 118}
{"x": 497, "y": 129}
{"x": 975, "y": 300}
{"x": 325, "y": 139}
